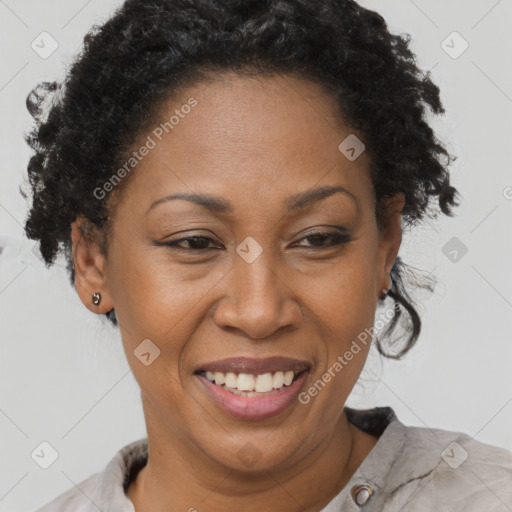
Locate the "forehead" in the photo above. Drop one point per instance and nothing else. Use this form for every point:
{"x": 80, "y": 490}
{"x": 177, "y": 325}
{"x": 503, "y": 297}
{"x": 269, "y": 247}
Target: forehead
{"x": 248, "y": 138}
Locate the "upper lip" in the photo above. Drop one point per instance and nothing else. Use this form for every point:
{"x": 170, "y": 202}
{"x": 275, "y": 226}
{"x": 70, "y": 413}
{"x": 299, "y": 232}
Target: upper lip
{"x": 255, "y": 366}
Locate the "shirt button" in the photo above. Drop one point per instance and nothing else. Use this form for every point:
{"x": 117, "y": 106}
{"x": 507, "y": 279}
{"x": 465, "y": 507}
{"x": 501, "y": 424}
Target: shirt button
{"x": 361, "y": 494}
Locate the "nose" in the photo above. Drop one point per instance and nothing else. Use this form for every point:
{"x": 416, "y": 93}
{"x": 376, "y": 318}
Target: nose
{"x": 259, "y": 300}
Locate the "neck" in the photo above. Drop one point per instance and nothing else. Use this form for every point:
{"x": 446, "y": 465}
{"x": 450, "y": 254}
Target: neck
{"x": 186, "y": 477}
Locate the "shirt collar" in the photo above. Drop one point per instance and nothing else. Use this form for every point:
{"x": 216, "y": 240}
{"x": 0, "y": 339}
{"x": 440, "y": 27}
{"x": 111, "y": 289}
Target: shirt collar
{"x": 376, "y": 471}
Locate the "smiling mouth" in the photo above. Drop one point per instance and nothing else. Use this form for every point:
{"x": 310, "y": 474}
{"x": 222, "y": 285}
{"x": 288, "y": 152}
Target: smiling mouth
{"x": 246, "y": 384}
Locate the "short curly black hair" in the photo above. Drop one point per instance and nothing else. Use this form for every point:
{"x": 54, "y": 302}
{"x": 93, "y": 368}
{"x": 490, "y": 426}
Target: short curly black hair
{"x": 86, "y": 124}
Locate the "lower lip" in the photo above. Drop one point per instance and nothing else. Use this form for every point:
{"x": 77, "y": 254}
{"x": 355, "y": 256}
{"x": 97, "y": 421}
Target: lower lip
{"x": 254, "y": 407}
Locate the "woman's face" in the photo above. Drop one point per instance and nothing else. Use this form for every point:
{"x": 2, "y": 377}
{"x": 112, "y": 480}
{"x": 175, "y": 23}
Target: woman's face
{"x": 280, "y": 271}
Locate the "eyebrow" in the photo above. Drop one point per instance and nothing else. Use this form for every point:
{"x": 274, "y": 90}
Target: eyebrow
{"x": 294, "y": 203}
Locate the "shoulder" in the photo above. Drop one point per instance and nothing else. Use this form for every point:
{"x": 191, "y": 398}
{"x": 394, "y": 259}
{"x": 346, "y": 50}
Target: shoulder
{"x": 103, "y": 490}
{"x": 453, "y": 471}
{"x": 454, "y": 450}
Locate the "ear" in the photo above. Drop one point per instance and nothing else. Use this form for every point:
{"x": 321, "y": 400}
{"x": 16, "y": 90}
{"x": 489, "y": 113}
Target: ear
{"x": 390, "y": 238}
{"x": 90, "y": 269}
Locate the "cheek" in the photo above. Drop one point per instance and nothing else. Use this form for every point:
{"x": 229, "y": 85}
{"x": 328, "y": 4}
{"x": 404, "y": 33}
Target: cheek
{"x": 162, "y": 302}
{"x": 342, "y": 300}
{"x": 152, "y": 294}
{"x": 342, "y": 293}
{"x": 343, "y": 304}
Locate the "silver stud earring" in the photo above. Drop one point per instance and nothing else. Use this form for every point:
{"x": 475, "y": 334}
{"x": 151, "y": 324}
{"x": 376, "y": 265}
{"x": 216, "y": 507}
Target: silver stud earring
{"x": 96, "y": 298}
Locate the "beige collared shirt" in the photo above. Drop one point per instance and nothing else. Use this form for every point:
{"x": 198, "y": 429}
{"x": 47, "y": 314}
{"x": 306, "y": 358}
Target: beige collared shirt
{"x": 410, "y": 469}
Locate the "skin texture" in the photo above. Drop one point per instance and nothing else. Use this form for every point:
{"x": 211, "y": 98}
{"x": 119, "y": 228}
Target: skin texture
{"x": 254, "y": 143}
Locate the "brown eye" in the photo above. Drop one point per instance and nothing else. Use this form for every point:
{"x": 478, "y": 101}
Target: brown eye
{"x": 333, "y": 238}
{"x": 195, "y": 243}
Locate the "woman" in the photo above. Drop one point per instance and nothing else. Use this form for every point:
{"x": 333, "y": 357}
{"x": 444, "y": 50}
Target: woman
{"x": 228, "y": 181}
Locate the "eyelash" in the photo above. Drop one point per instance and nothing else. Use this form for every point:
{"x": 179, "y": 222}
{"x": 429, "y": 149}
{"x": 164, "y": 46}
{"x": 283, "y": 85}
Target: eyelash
{"x": 339, "y": 238}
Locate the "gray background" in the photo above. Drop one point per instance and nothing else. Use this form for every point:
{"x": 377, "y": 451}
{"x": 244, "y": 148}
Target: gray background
{"x": 63, "y": 375}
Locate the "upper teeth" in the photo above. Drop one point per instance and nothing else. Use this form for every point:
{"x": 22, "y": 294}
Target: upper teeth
{"x": 247, "y": 382}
